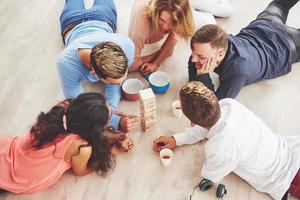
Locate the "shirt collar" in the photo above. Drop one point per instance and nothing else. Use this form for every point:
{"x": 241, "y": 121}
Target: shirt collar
{"x": 209, "y": 133}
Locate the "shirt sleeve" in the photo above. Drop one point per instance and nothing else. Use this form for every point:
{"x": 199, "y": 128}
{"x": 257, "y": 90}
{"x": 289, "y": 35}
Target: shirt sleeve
{"x": 189, "y": 136}
{"x": 129, "y": 51}
{"x": 231, "y": 87}
{"x": 220, "y": 161}
{"x": 113, "y": 96}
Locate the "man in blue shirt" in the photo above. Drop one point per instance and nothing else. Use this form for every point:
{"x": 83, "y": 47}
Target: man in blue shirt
{"x": 265, "y": 49}
{"x": 95, "y": 52}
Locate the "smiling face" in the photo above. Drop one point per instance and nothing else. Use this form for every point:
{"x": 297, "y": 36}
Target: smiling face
{"x": 209, "y": 43}
{"x": 202, "y": 52}
{"x": 166, "y": 22}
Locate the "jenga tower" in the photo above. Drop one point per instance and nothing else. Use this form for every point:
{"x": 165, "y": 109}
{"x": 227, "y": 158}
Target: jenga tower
{"x": 148, "y": 108}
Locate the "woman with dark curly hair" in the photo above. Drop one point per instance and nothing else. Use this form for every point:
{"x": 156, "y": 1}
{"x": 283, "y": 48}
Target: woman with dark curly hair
{"x": 70, "y": 135}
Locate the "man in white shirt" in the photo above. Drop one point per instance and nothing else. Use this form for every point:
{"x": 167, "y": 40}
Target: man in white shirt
{"x": 238, "y": 141}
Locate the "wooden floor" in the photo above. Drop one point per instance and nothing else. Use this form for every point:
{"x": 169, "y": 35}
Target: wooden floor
{"x": 30, "y": 43}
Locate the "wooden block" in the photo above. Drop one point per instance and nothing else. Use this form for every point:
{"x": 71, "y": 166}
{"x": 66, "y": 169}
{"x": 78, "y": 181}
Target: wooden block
{"x": 149, "y": 115}
{"x": 147, "y": 106}
{"x": 148, "y": 103}
{"x": 152, "y": 103}
{"x": 149, "y": 122}
{"x": 146, "y": 124}
{"x": 145, "y": 110}
{"x": 146, "y": 94}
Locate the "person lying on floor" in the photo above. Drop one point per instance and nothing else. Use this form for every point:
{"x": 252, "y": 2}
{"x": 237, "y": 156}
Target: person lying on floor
{"x": 238, "y": 141}
{"x": 265, "y": 49}
{"x": 70, "y": 136}
{"x": 94, "y": 52}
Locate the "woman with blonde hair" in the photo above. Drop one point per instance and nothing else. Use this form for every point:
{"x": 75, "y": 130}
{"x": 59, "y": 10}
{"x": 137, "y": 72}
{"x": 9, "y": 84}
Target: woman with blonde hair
{"x": 152, "y": 20}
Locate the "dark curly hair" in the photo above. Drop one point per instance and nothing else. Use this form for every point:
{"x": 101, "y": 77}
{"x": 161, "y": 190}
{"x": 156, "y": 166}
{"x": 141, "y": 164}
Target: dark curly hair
{"x": 86, "y": 116}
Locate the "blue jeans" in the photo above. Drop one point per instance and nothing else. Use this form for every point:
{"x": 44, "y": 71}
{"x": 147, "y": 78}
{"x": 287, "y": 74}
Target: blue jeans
{"x": 74, "y": 13}
{"x": 277, "y": 12}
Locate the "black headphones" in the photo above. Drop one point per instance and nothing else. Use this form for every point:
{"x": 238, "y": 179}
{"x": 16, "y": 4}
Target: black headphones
{"x": 206, "y": 184}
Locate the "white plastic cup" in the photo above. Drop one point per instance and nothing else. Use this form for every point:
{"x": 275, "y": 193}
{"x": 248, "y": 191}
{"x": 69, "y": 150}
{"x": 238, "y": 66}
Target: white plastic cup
{"x": 166, "y": 156}
{"x": 176, "y": 108}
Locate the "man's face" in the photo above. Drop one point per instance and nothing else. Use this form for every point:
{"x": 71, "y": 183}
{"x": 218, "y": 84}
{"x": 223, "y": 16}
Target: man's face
{"x": 203, "y": 52}
{"x": 166, "y": 22}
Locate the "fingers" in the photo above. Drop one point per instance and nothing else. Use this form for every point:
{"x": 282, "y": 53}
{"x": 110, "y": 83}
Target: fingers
{"x": 208, "y": 66}
{"x": 155, "y": 146}
{"x": 119, "y": 113}
{"x": 133, "y": 122}
{"x": 164, "y": 142}
{"x": 127, "y": 144}
{"x": 145, "y": 68}
{"x": 213, "y": 64}
{"x": 159, "y": 143}
{"x": 129, "y": 122}
{"x": 135, "y": 117}
{"x": 130, "y": 144}
{"x": 149, "y": 68}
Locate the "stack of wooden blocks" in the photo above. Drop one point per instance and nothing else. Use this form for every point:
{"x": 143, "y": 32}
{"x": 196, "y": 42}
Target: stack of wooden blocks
{"x": 148, "y": 108}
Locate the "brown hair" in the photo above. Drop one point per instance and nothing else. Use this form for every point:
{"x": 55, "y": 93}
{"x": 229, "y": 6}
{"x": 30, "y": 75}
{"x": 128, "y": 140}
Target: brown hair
{"x": 181, "y": 12}
{"x": 199, "y": 104}
{"x": 86, "y": 116}
{"x": 108, "y": 60}
{"x": 212, "y": 34}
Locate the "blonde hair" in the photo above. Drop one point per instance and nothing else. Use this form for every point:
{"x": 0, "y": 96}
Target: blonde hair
{"x": 181, "y": 12}
{"x": 108, "y": 60}
{"x": 199, "y": 104}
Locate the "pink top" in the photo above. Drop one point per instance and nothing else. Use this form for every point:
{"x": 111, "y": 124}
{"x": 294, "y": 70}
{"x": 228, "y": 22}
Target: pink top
{"x": 26, "y": 170}
{"x": 140, "y": 30}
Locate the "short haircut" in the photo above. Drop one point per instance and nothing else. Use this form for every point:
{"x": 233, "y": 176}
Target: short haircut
{"x": 212, "y": 34}
{"x": 108, "y": 60}
{"x": 199, "y": 104}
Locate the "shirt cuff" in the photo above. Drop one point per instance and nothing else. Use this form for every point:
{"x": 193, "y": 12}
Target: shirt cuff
{"x": 114, "y": 121}
{"x": 180, "y": 138}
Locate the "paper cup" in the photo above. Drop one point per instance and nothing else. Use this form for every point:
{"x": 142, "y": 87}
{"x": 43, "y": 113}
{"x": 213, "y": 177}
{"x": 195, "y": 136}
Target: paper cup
{"x": 176, "y": 108}
{"x": 166, "y": 156}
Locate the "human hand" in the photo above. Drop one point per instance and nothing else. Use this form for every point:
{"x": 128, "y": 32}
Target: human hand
{"x": 208, "y": 66}
{"x": 164, "y": 142}
{"x": 123, "y": 145}
{"x": 128, "y": 123}
{"x": 148, "y": 68}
